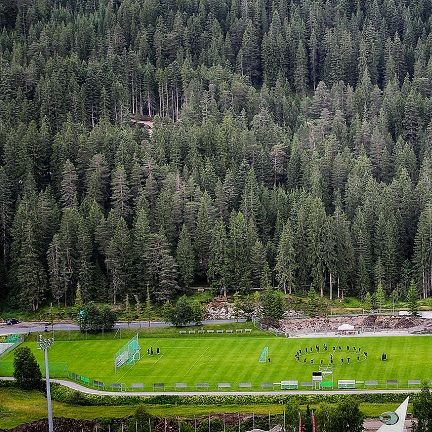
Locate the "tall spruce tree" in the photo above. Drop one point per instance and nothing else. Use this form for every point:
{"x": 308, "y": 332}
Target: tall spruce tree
{"x": 185, "y": 258}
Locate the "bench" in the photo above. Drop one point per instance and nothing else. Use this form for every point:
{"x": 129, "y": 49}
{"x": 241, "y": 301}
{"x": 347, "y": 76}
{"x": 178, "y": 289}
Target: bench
{"x": 137, "y": 386}
{"x": 247, "y": 330}
{"x": 201, "y": 331}
{"x": 346, "y": 384}
{"x": 289, "y": 385}
{"x": 239, "y": 330}
{"x": 202, "y": 385}
{"x": 245, "y": 385}
{"x": 307, "y": 384}
{"x": 392, "y": 383}
{"x": 228, "y": 331}
{"x": 360, "y": 383}
{"x": 98, "y": 384}
{"x": 181, "y": 385}
{"x": 117, "y": 386}
{"x": 372, "y": 383}
{"x": 191, "y": 331}
{"x": 224, "y": 385}
{"x": 159, "y": 386}
{"x": 182, "y": 332}
{"x": 210, "y": 331}
{"x": 414, "y": 383}
{"x": 267, "y": 385}
{"x": 219, "y": 331}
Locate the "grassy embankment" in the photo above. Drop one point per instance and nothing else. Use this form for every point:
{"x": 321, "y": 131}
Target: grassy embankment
{"x": 17, "y": 407}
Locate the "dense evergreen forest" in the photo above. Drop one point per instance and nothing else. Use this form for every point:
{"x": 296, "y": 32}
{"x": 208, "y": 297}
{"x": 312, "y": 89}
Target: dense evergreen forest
{"x": 291, "y": 147}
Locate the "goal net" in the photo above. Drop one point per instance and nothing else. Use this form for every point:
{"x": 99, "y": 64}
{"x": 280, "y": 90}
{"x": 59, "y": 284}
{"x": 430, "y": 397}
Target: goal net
{"x": 129, "y": 354}
{"x": 264, "y": 355}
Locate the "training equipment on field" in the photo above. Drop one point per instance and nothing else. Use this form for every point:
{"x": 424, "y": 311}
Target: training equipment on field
{"x": 128, "y": 354}
{"x": 326, "y": 370}
{"x": 264, "y": 355}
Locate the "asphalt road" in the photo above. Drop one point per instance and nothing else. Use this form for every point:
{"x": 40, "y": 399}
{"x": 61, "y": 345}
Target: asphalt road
{"x": 39, "y": 327}
{"x": 90, "y": 391}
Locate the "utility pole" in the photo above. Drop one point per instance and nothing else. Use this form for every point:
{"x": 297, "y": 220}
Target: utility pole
{"x": 44, "y": 344}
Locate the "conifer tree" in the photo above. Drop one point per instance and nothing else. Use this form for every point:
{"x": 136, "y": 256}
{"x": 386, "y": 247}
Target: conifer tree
{"x": 185, "y": 258}
{"x": 31, "y": 275}
{"x": 285, "y": 260}
{"x": 118, "y": 261}
{"x": 217, "y": 272}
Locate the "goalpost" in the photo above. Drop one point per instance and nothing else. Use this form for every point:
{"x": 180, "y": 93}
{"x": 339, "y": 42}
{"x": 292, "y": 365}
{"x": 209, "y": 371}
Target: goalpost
{"x": 264, "y": 355}
{"x": 128, "y": 354}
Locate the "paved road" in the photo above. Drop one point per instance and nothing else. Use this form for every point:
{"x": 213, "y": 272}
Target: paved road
{"x": 39, "y": 327}
{"x": 86, "y": 390}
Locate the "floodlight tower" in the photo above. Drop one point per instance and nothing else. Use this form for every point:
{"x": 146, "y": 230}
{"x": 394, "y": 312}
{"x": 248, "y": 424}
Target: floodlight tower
{"x": 44, "y": 344}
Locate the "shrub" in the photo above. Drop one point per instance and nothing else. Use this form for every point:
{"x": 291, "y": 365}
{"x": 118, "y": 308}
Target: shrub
{"x": 94, "y": 319}
{"x": 26, "y": 369}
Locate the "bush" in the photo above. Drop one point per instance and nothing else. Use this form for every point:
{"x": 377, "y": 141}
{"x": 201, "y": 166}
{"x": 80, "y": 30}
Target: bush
{"x": 26, "y": 369}
{"x": 66, "y": 395}
{"x": 94, "y": 319}
{"x": 184, "y": 312}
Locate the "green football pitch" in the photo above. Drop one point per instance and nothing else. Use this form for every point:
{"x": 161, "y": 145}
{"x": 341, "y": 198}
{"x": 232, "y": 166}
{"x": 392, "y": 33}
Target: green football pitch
{"x": 234, "y": 359}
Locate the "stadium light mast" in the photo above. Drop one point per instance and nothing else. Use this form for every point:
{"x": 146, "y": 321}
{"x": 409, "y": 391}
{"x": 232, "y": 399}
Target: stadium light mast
{"x": 44, "y": 344}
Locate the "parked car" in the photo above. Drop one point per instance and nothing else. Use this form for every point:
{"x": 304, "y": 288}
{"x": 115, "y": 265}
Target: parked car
{"x": 12, "y": 321}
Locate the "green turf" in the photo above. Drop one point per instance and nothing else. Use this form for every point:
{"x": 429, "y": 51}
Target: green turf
{"x": 234, "y": 359}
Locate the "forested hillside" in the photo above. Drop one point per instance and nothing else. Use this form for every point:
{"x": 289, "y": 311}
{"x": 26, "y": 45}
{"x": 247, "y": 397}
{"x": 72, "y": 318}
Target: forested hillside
{"x": 291, "y": 147}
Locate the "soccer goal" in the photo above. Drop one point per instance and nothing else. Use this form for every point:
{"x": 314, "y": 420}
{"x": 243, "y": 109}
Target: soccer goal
{"x": 264, "y": 355}
{"x": 128, "y": 354}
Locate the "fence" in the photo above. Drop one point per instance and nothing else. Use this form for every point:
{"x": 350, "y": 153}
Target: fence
{"x": 285, "y": 385}
{"x": 224, "y": 422}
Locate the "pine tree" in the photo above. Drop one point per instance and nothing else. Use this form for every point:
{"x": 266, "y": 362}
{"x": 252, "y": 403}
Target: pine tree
{"x": 380, "y": 296}
{"x": 140, "y": 250}
{"x": 118, "y": 261}
{"x": 68, "y": 190}
{"x": 148, "y": 306}
{"x": 286, "y": 264}
{"x": 412, "y": 298}
{"x": 85, "y": 264}
{"x": 217, "y": 272}
{"x": 6, "y": 212}
{"x": 162, "y": 269}
{"x": 120, "y": 193}
{"x": 185, "y": 258}
{"x": 97, "y": 177}
{"x": 258, "y": 260}
{"x": 202, "y": 237}
{"x": 367, "y": 302}
{"x": 249, "y": 56}
{"x": 55, "y": 269}
{"x": 423, "y": 250}
{"x": 238, "y": 254}
{"x": 31, "y": 275}
{"x": 300, "y": 70}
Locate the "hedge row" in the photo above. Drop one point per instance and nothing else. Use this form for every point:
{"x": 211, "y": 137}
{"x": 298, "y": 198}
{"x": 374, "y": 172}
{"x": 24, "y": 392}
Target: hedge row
{"x": 66, "y": 395}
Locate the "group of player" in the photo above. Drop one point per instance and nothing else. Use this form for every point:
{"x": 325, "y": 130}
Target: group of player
{"x": 310, "y": 350}
{"x": 151, "y": 352}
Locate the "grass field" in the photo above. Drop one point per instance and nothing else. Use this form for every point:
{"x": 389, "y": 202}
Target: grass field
{"x": 234, "y": 359}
